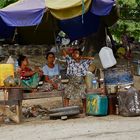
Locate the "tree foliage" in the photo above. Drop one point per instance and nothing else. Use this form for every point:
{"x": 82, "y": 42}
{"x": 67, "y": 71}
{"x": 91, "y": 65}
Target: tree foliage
{"x": 4, "y": 3}
{"x": 129, "y": 19}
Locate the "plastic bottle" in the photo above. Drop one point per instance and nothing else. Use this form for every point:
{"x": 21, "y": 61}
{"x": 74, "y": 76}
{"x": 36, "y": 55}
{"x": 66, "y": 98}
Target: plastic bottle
{"x": 95, "y": 83}
{"x": 16, "y": 65}
{"x": 10, "y": 60}
{"x": 138, "y": 68}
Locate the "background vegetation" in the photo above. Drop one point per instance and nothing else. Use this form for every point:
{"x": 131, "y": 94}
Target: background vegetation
{"x": 4, "y": 3}
{"x": 129, "y": 19}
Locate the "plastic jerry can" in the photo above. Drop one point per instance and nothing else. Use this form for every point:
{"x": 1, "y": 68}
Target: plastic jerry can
{"x": 96, "y": 105}
{"x": 107, "y": 57}
{"x": 5, "y": 71}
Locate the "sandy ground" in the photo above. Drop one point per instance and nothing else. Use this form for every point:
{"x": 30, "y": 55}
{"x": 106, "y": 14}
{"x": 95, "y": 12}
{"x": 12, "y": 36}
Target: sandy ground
{"x": 88, "y": 128}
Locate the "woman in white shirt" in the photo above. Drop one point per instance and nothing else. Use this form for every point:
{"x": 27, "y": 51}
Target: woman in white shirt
{"x": 51, "y": 72}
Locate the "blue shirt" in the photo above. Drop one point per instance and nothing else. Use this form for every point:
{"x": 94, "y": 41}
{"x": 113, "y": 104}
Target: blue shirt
{"x": 51, "y": 71}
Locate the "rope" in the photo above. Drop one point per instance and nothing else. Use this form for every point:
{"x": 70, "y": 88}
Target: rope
{"x": 37, "y": 26}
{"x": 83, "y": 11}
{"x": 15, "y": 33}
{"x": 57, "y": 47}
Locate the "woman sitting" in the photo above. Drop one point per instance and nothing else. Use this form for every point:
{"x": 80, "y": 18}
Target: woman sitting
{"x": 52, "y": 73}
{"x": 29, "y": 78}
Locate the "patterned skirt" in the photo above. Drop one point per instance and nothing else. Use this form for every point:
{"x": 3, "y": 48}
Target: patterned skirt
{"x": 49, "y": 87}
{"x": 76, "y": 88}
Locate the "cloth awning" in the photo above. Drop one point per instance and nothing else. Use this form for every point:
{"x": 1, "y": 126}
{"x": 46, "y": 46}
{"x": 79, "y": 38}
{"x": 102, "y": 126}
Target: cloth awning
{"x": 78, "y": 18}
{"x": 6, "y": 31}
{"x": 30, "y": 12}
{"x": 66, "y": 9}
{"x": 75, "y": 29}
{"x": 23, "y": 13}
{"x": 102, "y": 7}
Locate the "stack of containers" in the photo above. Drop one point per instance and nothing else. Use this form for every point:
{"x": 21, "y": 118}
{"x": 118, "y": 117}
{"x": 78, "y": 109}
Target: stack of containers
{"x": 96, "y": 102}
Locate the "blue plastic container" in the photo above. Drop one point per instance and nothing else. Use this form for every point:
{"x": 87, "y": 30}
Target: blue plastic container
{"x": 115, "y": 76}
{"x": 96, "y": 105}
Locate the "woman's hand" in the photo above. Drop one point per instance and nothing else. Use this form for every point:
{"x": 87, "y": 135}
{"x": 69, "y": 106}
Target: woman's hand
{"x": 51, "y": 82}
{"x": 38, "y": 70}
{"x": 18, "y": 70}
{"x": 55, "y": 85}
{"x": 64, "y": 53}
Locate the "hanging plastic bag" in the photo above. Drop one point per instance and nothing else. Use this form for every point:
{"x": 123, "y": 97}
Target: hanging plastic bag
{"x": 9, "y": 81}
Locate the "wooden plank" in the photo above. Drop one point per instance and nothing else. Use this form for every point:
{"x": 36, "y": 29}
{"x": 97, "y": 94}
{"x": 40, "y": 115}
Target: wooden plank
{"x": 37, "y": 95}
{"x": 8, "y": 102}
{"x": 98, "y": 90}
{"x": 19, "y": 110}
{"x": 11, "y": 87}
{"x": 6, "y": 111}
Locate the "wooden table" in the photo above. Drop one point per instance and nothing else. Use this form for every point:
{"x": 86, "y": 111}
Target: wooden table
{"x": 16, "y": 99}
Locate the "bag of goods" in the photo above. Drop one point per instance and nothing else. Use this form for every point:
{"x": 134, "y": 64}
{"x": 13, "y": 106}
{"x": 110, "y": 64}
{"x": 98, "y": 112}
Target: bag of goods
{"x": 129, "y": 102}
{"x": 9, "y": 81}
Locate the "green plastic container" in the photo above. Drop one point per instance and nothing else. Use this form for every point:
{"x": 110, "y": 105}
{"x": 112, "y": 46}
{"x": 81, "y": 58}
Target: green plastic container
{"x": 96, "y": 105}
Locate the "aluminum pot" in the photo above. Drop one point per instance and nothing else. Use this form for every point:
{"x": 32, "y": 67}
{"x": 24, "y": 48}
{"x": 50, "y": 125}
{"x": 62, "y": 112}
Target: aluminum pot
{"x": 111, "y": 89}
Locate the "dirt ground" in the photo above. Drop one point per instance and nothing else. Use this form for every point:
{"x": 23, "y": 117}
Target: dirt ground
{"x": 89, "y": 128}
{"x": 110, "y": 127}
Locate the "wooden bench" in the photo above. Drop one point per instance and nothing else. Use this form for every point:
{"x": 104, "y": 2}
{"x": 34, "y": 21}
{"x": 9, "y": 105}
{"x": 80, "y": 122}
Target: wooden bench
{"x": 13, "y": 99}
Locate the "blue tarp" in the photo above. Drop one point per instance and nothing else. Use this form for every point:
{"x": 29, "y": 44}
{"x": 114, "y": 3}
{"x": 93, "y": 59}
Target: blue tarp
{"x": 102, "y": 7}
{"x": 30, "y": 12}
{"x": 23, "y": 13}
{"x": 6, "y": 31}
{"x": 75, "y": 29}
